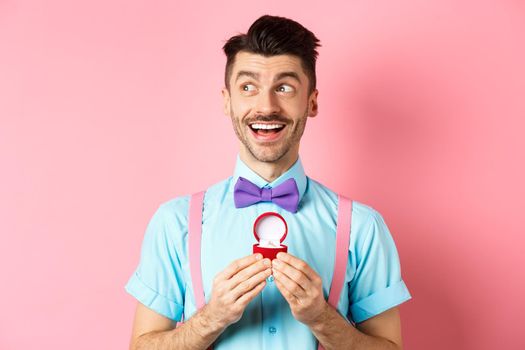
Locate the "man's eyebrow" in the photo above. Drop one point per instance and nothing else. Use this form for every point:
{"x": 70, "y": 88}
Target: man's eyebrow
{"x": 247, "y": 74}
{"x": 279, "y": 76}
{"x": 292, "y": 75}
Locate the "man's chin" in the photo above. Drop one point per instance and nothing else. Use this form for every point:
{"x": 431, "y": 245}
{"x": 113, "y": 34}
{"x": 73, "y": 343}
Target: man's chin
{"x": 268, "y": 155}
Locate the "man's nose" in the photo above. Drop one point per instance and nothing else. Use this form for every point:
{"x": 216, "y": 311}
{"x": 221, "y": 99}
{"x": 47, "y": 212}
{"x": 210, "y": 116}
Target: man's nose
{"x": 267, "y": 103}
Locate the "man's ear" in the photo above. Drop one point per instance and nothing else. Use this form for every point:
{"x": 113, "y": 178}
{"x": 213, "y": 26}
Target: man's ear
{"x": 313, "y": 108}
{"x": 226, "y": 101}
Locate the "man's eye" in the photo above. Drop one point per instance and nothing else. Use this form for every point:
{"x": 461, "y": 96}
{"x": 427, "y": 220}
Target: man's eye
{"x": 248, "y": 87}
{"x": 285, "y": 88}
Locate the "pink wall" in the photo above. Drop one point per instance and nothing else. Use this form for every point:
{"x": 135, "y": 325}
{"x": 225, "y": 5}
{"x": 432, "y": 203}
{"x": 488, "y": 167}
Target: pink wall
{"x": 421, "y": 110}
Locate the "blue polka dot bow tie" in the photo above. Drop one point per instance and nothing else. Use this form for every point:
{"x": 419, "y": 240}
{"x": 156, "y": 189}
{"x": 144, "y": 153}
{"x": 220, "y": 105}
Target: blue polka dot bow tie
{"x": 286, "y": 195}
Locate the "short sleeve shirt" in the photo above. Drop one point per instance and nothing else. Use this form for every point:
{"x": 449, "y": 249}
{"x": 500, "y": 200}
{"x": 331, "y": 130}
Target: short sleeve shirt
{"x": 162, "y": 281}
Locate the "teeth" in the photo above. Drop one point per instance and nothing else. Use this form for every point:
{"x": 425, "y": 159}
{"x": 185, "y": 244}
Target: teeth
{"x": 266, "y": 126}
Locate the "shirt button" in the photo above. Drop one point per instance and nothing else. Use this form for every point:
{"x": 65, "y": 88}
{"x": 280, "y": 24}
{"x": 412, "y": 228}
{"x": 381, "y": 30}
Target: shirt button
{"x": 272, "y": 330}
{"x": 270, "y": 279}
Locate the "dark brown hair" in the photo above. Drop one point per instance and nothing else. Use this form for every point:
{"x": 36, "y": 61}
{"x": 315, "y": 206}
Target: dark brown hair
{"x": 273, "y": 35}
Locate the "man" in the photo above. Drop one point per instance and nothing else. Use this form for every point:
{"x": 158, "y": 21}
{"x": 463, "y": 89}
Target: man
{"x": 270, "y": 91}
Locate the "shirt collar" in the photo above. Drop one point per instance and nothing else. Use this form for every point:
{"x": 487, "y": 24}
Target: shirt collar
{"x": 296, "y": 171}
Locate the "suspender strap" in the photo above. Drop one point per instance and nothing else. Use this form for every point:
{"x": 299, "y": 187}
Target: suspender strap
{"x": 195, "y": 234}
{"x": 344, "y": 219}
{"x": 344, "y": 223}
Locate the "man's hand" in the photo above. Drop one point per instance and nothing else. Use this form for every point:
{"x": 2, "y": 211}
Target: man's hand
{"x": 301, "y": 286}
{"x": 235, "y": 287}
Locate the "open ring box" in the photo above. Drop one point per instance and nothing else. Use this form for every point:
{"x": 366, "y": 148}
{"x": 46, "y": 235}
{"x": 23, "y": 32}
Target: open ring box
{"x": 270, "y": 230}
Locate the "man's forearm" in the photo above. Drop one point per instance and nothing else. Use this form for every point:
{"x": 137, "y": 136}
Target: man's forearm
{"x": 334, "y": 332}
{"x": 198, "y": 333}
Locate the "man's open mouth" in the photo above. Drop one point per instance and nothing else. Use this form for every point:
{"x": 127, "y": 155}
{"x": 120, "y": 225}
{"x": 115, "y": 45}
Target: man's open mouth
{"x": 265, "y": 129}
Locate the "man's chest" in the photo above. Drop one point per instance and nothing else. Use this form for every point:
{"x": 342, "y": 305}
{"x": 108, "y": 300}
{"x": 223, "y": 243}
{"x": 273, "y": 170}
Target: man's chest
{"x": 229, "y": 236}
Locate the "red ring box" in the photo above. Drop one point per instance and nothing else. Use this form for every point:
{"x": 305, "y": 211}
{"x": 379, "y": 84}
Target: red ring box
{"x": 270, "y": 252}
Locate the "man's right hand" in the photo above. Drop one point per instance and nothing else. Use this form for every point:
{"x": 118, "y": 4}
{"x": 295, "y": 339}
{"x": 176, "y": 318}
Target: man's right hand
{"x": 234, "y": 287}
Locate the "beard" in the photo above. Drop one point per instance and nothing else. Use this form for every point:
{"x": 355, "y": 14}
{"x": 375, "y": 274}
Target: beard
{"x": 271, "y": 151}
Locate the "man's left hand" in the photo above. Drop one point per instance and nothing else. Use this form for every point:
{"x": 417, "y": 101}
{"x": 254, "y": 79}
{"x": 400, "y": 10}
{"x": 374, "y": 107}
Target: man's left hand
{"x": 301, "y": 286}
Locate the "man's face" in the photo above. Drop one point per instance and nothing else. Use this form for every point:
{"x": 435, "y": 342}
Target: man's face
{"x": 268, "y": 103}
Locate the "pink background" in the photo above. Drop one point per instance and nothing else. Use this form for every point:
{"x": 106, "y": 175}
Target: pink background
{"x": 109, "y": 108}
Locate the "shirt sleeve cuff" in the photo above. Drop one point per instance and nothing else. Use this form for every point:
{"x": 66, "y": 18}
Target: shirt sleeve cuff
{"x": 379, "y": 302}
{"x": 152, "y": 299}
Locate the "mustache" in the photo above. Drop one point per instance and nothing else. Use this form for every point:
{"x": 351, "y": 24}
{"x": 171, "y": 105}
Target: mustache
{"x": 269, "y": 118}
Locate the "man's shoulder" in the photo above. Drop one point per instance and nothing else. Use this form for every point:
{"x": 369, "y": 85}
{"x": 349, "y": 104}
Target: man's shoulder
{"x": 360, "y": 210}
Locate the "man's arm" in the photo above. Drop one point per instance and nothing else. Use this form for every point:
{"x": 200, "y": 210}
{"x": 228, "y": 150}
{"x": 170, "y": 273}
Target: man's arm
{"x": 301, "y": 286}
{"x": 379, "y": 332}
{"x": 232, "y": 290}
{"x": 154, "y": 331}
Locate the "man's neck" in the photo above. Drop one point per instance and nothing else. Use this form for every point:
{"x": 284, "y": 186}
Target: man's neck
{"x": 269, "y": 170}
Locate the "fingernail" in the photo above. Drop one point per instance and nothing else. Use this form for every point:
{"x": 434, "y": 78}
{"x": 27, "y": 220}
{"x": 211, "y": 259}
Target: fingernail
{"x": 258, "y": 256}
{"x": 275, "y": 262}
{"x": 266, "y": 262}
{"x": 280, "y": 255}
